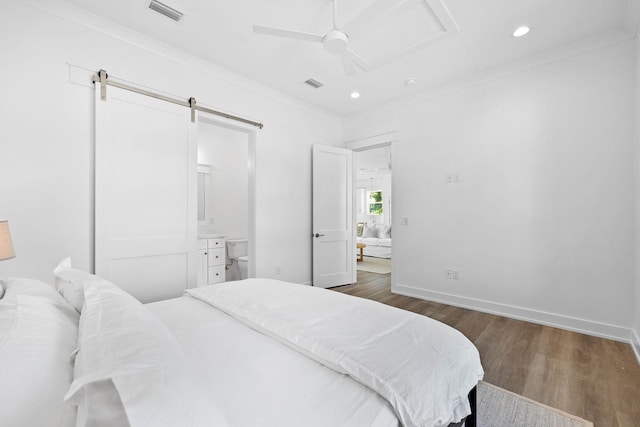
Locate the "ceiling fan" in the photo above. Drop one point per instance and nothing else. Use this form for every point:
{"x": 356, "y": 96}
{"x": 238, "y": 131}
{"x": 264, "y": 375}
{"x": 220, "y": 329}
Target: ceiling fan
{"x": 335, "y": 41}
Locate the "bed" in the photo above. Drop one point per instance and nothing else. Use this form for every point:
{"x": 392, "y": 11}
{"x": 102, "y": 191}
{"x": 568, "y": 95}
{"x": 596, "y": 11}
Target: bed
{"x": 256, "y": 352}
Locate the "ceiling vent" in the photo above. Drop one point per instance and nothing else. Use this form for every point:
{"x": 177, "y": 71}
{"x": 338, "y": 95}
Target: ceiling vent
{"x": 167, "y": 11}
{"x": 314, "y": 83}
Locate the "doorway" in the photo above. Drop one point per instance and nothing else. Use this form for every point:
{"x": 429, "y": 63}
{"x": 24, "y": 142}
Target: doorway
{"x": 226, "y": 194}
{"x": 373, "y": 209}
{"x": 388, "y": 140}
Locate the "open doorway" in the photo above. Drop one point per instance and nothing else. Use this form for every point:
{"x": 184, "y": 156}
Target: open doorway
{"x": 226, "y": 200}
{"x": 373, "y": 209}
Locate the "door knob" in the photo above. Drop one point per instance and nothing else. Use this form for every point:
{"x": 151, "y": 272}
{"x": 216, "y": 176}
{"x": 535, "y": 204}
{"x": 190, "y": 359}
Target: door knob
{"x": 318, "y": 235}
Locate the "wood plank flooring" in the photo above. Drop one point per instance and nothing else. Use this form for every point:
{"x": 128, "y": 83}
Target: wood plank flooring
{"x": 593, "y": 378}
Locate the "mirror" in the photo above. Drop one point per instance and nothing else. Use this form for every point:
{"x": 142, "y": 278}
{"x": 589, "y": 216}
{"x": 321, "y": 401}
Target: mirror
{"x": 204, "y": 171}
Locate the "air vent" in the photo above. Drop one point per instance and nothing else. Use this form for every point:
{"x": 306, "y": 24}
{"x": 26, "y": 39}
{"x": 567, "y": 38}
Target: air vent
{"x": 314, "y": 83}
{"x": 167, "y": 11}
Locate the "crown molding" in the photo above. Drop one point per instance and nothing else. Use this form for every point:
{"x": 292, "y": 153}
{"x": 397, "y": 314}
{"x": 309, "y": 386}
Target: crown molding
{"x": 548, "y": 57}
{"x": 116, "y": 31}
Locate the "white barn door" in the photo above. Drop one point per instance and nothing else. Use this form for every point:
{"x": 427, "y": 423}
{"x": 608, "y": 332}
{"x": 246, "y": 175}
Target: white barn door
{"x": 333, "y": 245}
{"x": 146, "y": 195}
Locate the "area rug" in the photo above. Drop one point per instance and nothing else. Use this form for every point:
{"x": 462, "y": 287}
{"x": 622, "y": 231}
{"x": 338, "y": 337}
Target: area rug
{"x": 501, "y": 408}
{"x": 375, "y": 265}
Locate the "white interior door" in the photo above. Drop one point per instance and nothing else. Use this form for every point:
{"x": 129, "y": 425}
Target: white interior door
{"x": 333, "y": 245}
{"x": 146, "y": 195}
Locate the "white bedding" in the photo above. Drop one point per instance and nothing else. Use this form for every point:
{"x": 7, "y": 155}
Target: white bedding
{"x": 423, "y": 368}
{"x": 261, "y": 382}
{"x": 184, "y": 362}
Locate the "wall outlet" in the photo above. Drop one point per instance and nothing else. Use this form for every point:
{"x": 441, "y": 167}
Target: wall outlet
{"x": 404, "y": 220}
{"x": 450, "y": 178}
{"x": 278, "y": 270}
{"x": 451, "y": 274}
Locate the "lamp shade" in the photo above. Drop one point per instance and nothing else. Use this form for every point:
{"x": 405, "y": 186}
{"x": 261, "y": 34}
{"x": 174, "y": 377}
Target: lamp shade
{"x": 6, "y": 247}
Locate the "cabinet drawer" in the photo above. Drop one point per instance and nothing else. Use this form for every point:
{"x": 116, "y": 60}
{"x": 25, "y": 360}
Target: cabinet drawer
{"x": 216, "y": 243}
{"x": 216, "y": 274}
{"x": 216, "y": 256}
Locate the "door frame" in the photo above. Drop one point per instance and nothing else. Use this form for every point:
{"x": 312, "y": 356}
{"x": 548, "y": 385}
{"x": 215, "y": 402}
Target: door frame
{"x": 369, "y": 143}
{"x": 252, "y": 137}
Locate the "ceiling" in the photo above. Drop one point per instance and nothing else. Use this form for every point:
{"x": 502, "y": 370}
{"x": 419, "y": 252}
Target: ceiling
{"x": 373, "y": 163}
{"x": 432, "y": 41}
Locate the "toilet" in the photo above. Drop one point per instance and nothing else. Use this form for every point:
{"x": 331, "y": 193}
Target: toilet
{"x": 243, "y": 265}
{"x": 238, "y": 254}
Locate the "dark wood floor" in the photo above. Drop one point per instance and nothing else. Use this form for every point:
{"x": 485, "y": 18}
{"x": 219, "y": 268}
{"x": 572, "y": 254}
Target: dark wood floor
{"x": 593, "y": 378}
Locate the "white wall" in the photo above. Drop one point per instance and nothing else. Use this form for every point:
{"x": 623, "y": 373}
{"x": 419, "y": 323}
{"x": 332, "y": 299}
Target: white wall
{"x": 541, "y": 224}
{"x": 227, "y": 198}
{"x": 46, "y": 140}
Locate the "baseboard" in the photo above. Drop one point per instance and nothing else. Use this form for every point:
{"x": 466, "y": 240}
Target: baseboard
{"x": 583, "y": 326}
{"x": 635, "y": 344}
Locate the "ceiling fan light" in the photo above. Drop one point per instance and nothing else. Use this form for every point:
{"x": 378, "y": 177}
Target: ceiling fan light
{"x": 521, "y": 31}
{"x": 335, "y": 41}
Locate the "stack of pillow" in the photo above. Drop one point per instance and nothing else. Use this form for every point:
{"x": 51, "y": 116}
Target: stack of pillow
{"x": 38, "y": 335}
{"x": 88, "y": 353}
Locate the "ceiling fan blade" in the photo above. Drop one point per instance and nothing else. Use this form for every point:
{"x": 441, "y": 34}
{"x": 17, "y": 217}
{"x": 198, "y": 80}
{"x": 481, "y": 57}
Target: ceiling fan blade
{"x": 278, "y": 32}
{"x": 347, "y": 64}
{"x": 358, "y": 60}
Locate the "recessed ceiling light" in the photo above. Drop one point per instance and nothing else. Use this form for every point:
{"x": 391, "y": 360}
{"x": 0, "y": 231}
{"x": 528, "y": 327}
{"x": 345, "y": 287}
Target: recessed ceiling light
{"x": 410, "y": 82}
{"x": 355, "y": 95}
{"x": 521, "y": 31}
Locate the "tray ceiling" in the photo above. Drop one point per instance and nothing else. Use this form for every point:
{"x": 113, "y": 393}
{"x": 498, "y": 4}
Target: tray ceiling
{"x": 433, "y": 41}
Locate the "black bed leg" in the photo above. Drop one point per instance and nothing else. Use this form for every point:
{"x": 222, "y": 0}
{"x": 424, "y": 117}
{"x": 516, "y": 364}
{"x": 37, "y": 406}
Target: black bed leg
{"x": 470, "y": 421}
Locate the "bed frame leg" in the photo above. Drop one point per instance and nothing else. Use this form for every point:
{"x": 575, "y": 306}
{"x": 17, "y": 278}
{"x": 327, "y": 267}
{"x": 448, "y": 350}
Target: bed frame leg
{"x": 471, "y": 420}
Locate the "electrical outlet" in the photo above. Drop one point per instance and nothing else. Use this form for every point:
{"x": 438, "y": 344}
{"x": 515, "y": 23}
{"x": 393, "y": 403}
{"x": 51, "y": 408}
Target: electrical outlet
{"x": 452, "y": 178}
{"x": 404, "y": 220}
{"x": 451, "y": 274}
{"x": 278, "y": 270}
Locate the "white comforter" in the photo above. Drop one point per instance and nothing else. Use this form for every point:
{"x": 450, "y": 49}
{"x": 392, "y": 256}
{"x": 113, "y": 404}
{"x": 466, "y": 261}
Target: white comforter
{"x": 422, "y": 367}
{"x": 258, "y": 382}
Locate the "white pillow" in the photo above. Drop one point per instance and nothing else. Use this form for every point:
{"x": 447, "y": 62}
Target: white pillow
{"x": 15, "y": 287}
{"x": 36, "y": 342}
{"x": 69, "y": 282}
{"x": 369, "y": 231}
{"x": 130, "y": 362}
{"x": 384, "y": 232}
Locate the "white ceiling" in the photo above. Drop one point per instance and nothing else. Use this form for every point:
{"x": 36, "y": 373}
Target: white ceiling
{"x": 373, "y": 163}
{"x": 433, "y": 41}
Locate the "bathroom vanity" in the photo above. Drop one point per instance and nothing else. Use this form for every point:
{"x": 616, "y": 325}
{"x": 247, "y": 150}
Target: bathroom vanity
{"x": 211, "y": 248}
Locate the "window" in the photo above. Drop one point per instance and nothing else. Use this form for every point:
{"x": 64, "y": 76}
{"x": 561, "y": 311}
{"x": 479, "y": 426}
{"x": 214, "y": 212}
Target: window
{"x": 374, "y": 202}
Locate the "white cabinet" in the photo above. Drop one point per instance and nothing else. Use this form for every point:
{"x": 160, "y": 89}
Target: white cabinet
{"x": 212, "y": 262}
{"x": 215, "y": 257}
{"x": 202, "y": 262}
{"x": 216, "y": 274}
